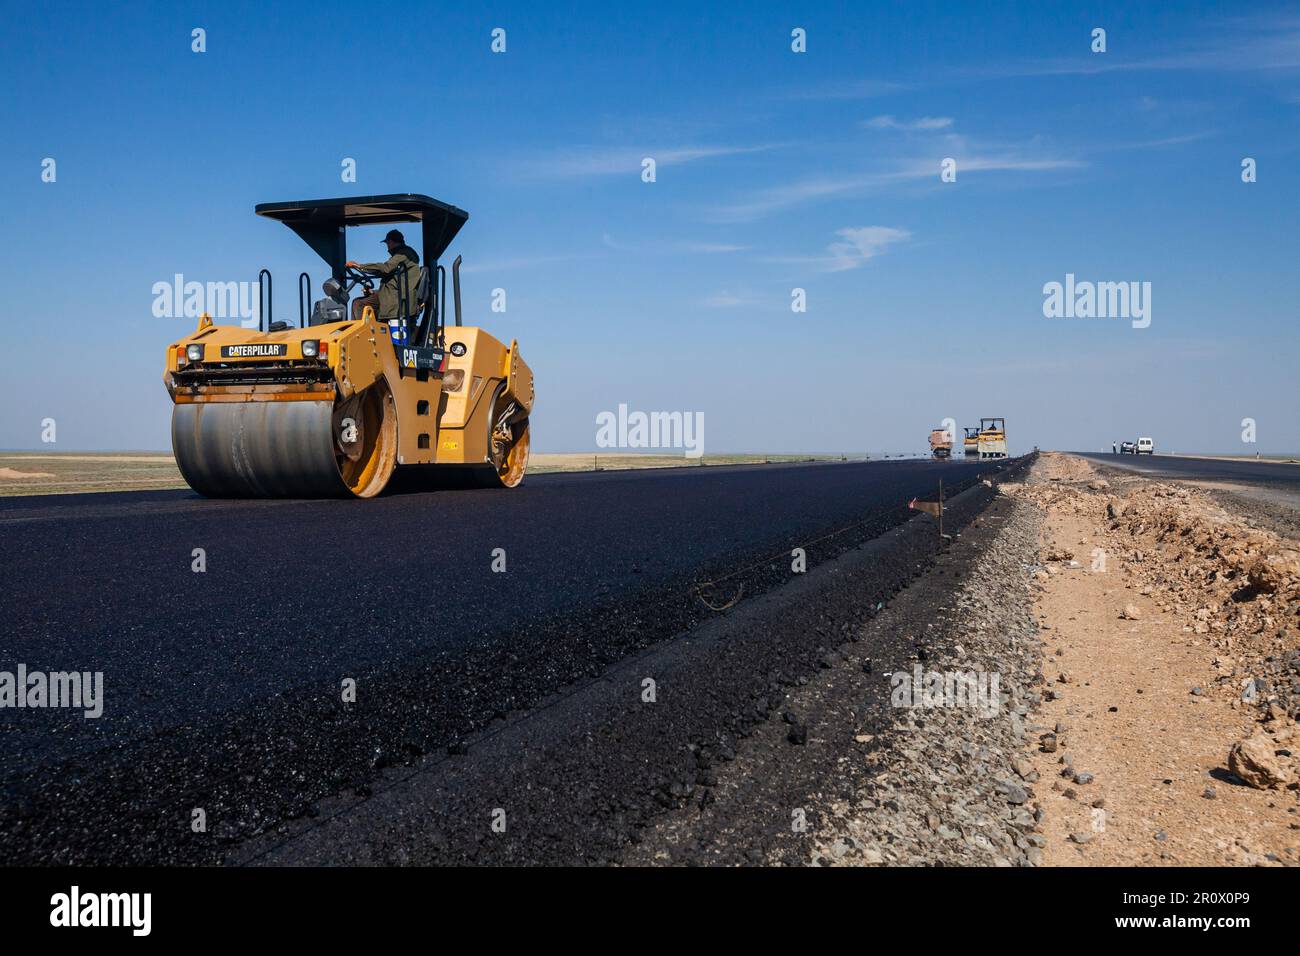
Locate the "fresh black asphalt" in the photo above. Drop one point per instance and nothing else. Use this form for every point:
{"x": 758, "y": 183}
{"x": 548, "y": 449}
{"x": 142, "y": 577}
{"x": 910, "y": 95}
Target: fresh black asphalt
{"x": 223, "y": 688}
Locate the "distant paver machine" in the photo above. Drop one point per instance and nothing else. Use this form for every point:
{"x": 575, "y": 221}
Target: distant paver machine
{"x": 338, "y": 405}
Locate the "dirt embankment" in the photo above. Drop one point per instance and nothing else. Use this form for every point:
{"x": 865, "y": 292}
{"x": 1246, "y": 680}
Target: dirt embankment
{"x": 1171, "y": 664}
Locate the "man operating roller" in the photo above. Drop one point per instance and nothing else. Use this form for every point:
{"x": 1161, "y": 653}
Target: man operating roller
{"x": 386, "y": 302}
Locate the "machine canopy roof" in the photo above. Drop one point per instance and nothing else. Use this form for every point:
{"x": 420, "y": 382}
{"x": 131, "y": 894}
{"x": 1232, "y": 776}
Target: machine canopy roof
{"x": 321, "y": 222}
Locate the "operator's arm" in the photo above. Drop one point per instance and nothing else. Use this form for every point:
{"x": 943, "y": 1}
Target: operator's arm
{"x": 382, "y": 268}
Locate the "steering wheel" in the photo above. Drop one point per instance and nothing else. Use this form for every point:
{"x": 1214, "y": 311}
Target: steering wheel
{"x": 356, "y": 277}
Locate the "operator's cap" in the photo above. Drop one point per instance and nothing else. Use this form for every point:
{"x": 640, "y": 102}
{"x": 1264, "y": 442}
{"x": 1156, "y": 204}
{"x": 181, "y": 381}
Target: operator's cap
{"x": 394, "y": 234}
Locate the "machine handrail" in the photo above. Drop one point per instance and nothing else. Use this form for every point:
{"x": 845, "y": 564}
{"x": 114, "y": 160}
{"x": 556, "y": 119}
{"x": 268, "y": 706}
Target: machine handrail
{"x": 442, "y": 301}
{"x": 455, "y": 286}
{"x": 304, "y": 296}
{"x": 264, "y": 297}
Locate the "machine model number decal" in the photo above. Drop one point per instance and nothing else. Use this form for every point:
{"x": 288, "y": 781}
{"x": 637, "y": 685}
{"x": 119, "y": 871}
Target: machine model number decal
{"x": 254, "y": 351}
{"x": 414, "y": 357}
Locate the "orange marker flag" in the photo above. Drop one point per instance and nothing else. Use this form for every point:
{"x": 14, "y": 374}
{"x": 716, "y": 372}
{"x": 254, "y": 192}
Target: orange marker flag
{"x": 929, "y": 507}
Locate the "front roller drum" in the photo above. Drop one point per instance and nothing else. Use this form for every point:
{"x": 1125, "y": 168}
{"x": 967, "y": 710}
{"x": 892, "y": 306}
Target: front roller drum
{"x": 274, "y": 449}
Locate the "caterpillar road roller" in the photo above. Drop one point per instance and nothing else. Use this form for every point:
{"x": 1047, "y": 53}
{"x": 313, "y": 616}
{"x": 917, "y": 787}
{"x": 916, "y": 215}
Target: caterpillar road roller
{"x": 348, "y": 400}
{"x": 992, "y": 438}
{"x": 971, "y": 441}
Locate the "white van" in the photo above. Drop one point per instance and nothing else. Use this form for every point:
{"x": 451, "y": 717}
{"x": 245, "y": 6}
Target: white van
{"x": 1146, "y": 446}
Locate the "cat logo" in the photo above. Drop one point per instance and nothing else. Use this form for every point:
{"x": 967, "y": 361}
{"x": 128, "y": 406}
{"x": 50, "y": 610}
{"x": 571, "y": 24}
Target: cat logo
{"x": 408, "y": 358}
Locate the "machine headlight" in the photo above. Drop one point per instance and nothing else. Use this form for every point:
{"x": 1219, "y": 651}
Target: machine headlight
{"x": 194, "y": 353}
{"x": 310, "y": 348}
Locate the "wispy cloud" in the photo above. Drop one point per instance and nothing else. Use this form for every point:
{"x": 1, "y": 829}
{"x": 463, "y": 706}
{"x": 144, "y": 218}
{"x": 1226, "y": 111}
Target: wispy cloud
{"x": 853, "y": 247}
{"x": 522, "y": 262}
{"x": 1008, "y": 162}
{"x": 711, "y": 248}
{"x": 774, "y": 199}
{"x": 1162, "y": 143}
{"x": 591, "y": 161}
{"x": 924, "y": 123}
{"x": 851, "y": 90}
{"x": 676, "y": 246}
{"x": 858, "y": 245}
{"x": 1246, "y": 45}
{"x": 726, "y": 299}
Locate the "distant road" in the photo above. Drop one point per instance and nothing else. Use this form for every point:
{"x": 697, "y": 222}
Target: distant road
{"x": 1277, "y": 474}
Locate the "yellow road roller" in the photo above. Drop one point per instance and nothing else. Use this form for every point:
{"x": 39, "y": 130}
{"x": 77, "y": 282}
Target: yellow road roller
{"x": 992, "y": 438}
{"x": 348, "y": 402}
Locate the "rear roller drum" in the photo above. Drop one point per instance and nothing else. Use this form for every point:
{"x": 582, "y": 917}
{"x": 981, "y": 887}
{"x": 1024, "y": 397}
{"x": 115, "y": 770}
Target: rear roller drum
{"x": 508, "y": 443}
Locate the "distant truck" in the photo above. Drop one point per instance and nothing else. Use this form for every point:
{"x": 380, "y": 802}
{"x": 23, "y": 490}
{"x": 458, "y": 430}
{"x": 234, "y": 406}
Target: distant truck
{"x": 940, "y": 443}
{"x": 1127, "y": 448}
{"x": 1145, "y": 446}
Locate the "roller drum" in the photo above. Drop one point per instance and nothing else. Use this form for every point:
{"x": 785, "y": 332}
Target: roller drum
{"x": 258, "y": 449}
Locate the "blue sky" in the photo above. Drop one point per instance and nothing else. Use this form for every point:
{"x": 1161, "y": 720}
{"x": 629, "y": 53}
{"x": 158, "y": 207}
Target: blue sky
{"x": 775, "y": 170}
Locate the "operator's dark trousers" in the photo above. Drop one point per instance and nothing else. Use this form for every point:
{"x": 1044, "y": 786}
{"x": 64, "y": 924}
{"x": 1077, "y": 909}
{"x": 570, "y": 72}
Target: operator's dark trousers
{"x": 359, "y": 305}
